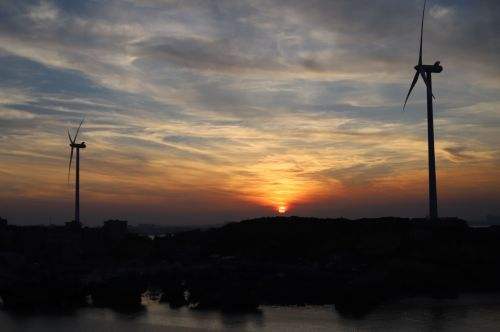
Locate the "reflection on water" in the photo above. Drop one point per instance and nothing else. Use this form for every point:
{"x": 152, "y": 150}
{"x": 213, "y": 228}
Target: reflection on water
{"x": 468, "y": 313}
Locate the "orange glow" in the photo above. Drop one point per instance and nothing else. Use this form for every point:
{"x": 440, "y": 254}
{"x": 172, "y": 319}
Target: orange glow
{"x": 278, "y": 183}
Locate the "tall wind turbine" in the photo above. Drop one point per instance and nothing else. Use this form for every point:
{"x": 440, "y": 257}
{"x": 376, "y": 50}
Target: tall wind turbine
{"x": 425, "y": 71}
{"x": 74, "y": 145}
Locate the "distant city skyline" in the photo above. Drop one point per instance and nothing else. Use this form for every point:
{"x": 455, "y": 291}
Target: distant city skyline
{"x": 212, "y": 111}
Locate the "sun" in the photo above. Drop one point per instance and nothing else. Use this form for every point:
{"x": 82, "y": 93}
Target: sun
{"x": 282, "y": 209}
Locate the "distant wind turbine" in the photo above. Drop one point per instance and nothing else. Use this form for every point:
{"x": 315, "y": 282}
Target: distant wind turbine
{"x": 74, "y": 145}
{"x": 425, "y": 71}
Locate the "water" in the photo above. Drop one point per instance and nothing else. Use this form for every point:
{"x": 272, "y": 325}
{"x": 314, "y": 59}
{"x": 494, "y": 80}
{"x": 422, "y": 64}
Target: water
{"x": 468, "y": 313}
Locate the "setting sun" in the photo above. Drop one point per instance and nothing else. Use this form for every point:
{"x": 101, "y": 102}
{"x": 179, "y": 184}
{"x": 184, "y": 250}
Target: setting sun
{"x": 282, "y": 209}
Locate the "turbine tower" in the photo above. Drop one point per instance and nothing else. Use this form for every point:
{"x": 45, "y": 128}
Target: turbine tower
{"x": 426, "y": 71}
{"x": 74, "y": 145}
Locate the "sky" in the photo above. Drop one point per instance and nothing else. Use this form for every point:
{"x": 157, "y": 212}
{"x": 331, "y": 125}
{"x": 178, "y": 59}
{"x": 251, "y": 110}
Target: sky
{"x": 212, "y": 111}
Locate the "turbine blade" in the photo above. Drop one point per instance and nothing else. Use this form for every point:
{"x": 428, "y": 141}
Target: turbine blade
{"x": 424, "y": 76}
{"x": 421, "y": 35}
{"x": 426, "y": 80}
{"x": 70, "y": 139}
{"x": 70, "y": 159}
{"x": 415, "y": 79}
{"x": 81, "y": 122}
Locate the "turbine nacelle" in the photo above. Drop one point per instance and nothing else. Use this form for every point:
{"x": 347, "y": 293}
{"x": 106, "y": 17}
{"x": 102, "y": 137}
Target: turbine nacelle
{"x": 435, "y": 68}
{"x": 78, "y": 145}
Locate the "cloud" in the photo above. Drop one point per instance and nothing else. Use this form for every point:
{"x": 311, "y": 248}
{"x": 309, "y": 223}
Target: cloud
{"x": 458, "y": 153}
{"x": 7, "y": 114}
{"x": 44, "y": 11}
{"x": 211, "y": 55}
{"x": 440, "y": 12}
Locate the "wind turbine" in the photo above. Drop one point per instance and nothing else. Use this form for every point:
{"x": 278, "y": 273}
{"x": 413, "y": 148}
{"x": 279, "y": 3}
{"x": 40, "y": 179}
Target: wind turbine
{"x": 74, "y": 145}
{"x": 425, "y": 71}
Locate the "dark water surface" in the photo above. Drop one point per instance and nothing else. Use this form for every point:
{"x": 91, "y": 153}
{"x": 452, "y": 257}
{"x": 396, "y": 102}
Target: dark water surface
{"x": 468, "y": 313}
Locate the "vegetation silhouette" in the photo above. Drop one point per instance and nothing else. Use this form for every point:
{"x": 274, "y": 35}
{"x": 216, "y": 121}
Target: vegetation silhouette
{"x": 354, "y": 264}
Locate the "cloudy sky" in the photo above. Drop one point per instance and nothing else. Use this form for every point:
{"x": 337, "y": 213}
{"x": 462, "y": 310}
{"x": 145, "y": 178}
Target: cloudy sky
{"x": 208, "y": 111}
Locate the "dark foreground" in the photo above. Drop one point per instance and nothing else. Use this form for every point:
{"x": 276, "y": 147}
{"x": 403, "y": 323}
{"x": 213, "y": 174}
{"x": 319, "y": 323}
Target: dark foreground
{"x": 355, "y": 265}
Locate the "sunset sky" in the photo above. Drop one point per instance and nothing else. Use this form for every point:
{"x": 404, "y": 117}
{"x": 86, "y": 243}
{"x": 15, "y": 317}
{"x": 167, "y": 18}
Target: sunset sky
{"x": 211, "y": 111}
